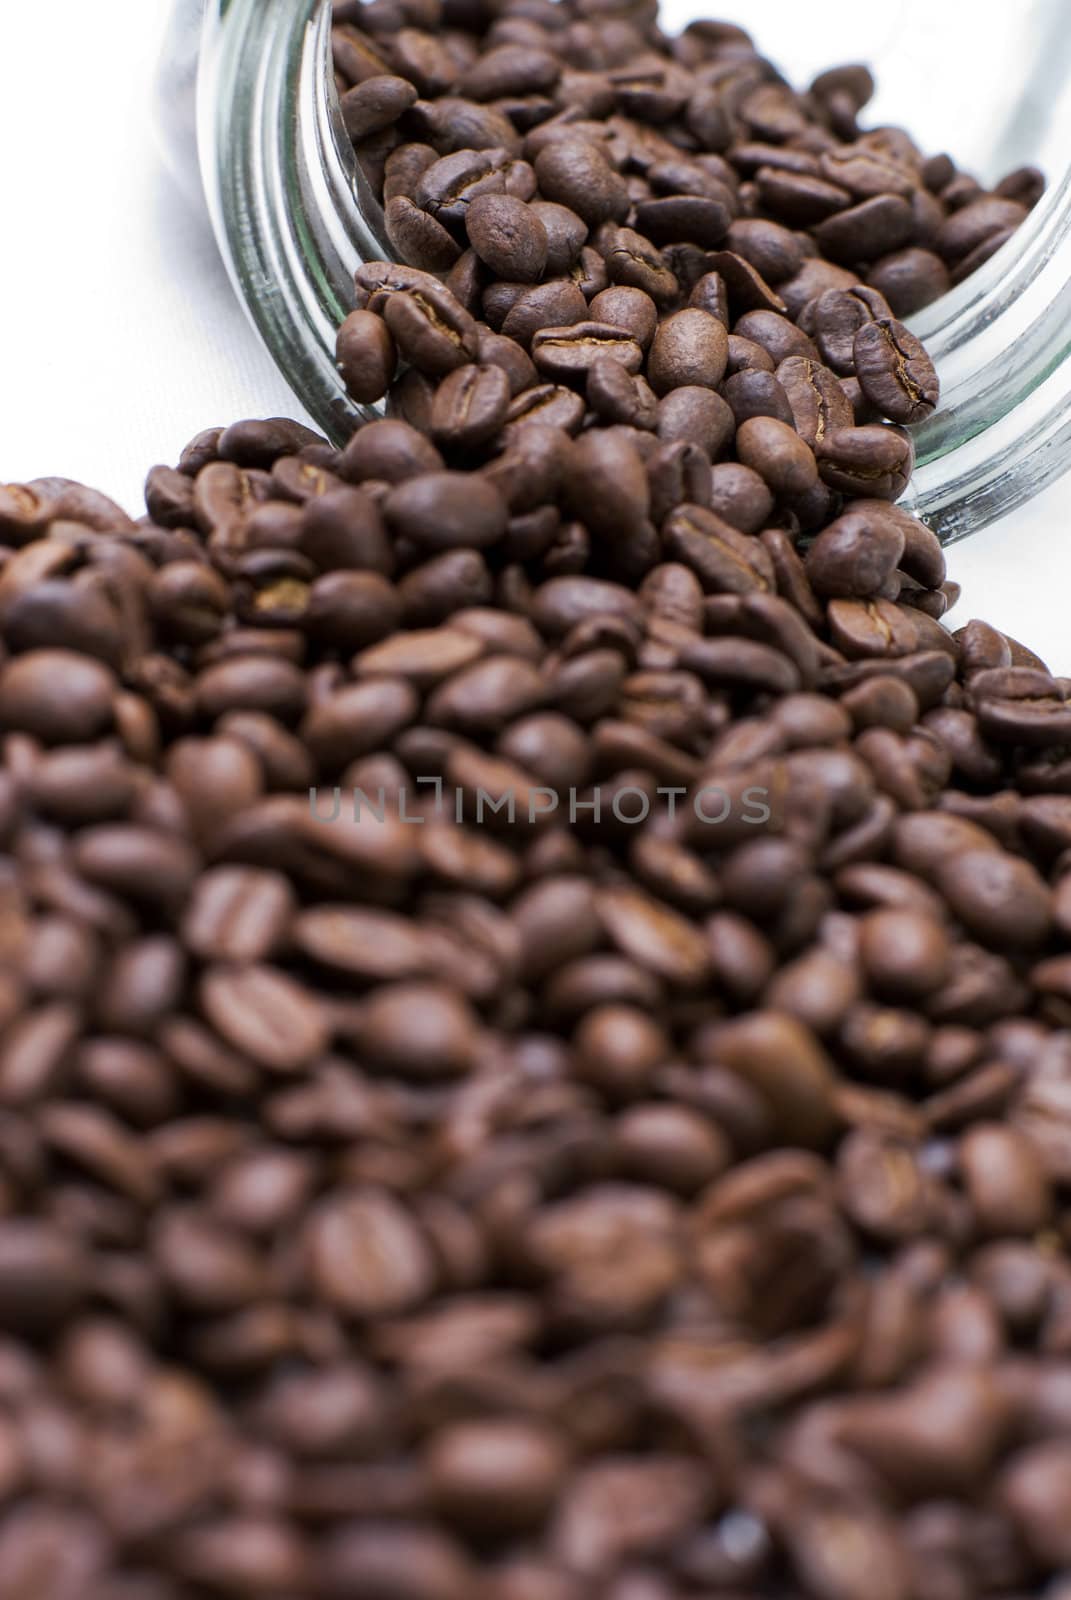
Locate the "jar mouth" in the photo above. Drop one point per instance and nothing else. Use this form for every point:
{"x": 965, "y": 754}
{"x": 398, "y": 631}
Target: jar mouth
{"x": 292, "y": 211}
{"x": 295, "y": 217}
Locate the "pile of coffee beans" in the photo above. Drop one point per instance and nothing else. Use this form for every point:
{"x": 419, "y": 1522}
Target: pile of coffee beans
{"x": 514, "y": 1085}
{"x": 535, "y": 993}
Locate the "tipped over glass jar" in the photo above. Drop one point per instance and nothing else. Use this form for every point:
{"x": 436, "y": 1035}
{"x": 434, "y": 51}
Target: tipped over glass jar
{"x": 296, "y": 209}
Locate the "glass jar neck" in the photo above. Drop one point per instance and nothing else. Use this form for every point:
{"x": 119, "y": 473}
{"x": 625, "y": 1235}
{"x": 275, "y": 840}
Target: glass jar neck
{"x": 291, "y": 209}
{"x": 295, "y": 217}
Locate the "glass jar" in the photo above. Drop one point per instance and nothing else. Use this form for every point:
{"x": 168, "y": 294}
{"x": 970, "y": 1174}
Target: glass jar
{"x": 294, "y": 215}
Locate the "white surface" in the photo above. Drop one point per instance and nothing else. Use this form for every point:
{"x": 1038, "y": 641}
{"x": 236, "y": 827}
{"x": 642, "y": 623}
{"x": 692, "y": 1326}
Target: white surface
{"x": 121, "y": 337}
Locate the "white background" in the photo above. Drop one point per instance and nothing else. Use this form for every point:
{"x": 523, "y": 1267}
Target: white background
{"x": 119, "y": 334}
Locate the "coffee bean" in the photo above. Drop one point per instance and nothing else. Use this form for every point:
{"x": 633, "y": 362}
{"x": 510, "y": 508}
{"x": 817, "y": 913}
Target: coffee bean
{"x": 894, "y": 370}
{"x": 431, "y": 329}
{"x": 571, "y": 352}
{"x": 44, "y": 1276}
{"x": 787, "y": 1065}
{"x": 779, "y": 456}
{"x": 470, "y": 406}
{"x": 237, "y": 914}
{"x": 710, "y": 294}
{"x": 701, "y": 219}
{"x": 617, "y": 397}
{"x": 693, "y": 414}
{"x": 443, "y": 510}
{"x": 1034, "y": 1488}
{"x": 740, "y": 497}
{"x": 755, "y": 393}
{"x": 417, "y": 237}
{"x": 375, "y": 104}
{"x": 631, "y": 309}
{"x": 265, "y": 1015}
{"x": 418, "y": 1030}
{"x": 871, "y": 461}
{"x": 356, "y": 719}
{"x": 366, "y": 1256}
{"x": 747, "y": 289}
{"x": 576, "y": 174}
{"x": 854, "y": 556}
{"x": 999, "y": 898}
{"x": 566, "y": 234}
{"x": 424, "y": 656}
{"x": 1005, "y": 1179}
{"x": 56, "y": 695}
{"x": 874, "y": 227}
{"x": 486, "y": 695}
{"x": 773, "y": 251}
{"x": 508, "y": 237}
{"x": 366, "y": 356}
{"x": 775, "y": 334}
{"x": 819, "y": 407}
{"x": 506, "y": 1472}
{"x": 635, "y": 262}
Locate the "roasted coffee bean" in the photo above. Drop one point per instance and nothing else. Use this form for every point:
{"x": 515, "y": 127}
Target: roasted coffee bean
{"x": 508, "y": 237}
{"x": 1005, "y": 1179}
{"x": 838, "y": 316}
{"x": 469, "y": 406}
{"x": 693, "y": 414}
{"x": 355, "y": 719}
{"x": 690, "y": 347}
{"x": 555, "y": 303}
{"x": 740, "y": 497}
{"x": 869, "y": 461}
{"x": 617, "y": 397}
{"x": 999, "y": 898}
{"x": 873, "y": 227}
{"x": 264, "y": 1015}
{"x": 724, "y": 560}
{"x": 909, "y": 279}
{"x": 566, "y": 235}
{"x": 894, "y": 370}
{"x": 701, "y": 219}
{"x": 637, "y": 263}
{"x": 237, "y": 914}
{"x": 375, "y": 104}
{"x": 431, "y": 329}
{"x": 58, "y": 696}
{"x": 575, "y": 173}
{"x": 754, "y": 393}
{"x": 775, "y": 334}
{"x": 366, "y": 356}
{"x": 443, "y": 510}
{"x": 627, "y": 308}
{"x": 571, "y": 352}
{"x": 389, "y": 451}
{"x": 819, "y": 407}
{"x": 417, "y": 237}
{"x": 776, "y": 452}
{"x": 854, "y": 556}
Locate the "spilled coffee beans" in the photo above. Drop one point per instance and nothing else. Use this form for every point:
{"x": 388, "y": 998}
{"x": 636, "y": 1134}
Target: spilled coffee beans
{"x": 535, "y": 1032}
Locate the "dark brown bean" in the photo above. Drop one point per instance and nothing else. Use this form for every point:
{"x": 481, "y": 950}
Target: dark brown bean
{"x": 894, "y": 370}
{"x": 58, "y": 696}
{"x": 447, "y": 510}
{"x": 366, "y": 356}
{"x": 508, "y": 236}
{"x": 470, "y": 406}
{"x": 779, "y": 456}
{"x": 265, "y": 1015}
